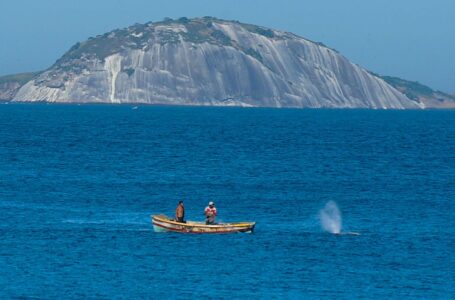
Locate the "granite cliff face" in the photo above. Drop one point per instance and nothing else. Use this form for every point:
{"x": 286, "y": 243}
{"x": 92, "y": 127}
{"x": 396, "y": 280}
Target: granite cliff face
{"x": 10, "y": 84}
{"x": 8, "y": 90}
{"x": 208, "y": 61}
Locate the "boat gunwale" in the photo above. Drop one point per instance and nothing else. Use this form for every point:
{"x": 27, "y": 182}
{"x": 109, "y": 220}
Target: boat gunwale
{"x": 237, "y": 230}
{"x": 163, "y": 218}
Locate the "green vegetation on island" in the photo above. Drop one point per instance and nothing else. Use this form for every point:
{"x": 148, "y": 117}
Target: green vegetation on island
{"x": 20, "y": 78}
{"x": 418, "y": 92}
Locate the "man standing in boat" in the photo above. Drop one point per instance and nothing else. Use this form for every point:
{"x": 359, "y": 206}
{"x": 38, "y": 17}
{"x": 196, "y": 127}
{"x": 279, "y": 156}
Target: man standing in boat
{"x": 210, "y": 213}
{"x": 180, "y": 212}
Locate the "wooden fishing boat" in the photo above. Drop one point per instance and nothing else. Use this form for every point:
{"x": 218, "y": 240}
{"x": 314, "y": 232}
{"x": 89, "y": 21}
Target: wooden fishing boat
{"x": 163, "y": 223}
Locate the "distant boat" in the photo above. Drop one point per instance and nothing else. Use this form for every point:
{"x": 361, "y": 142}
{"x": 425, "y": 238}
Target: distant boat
{"x": 163, "y": 223}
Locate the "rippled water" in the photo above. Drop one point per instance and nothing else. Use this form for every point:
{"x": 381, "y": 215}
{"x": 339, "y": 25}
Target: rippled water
{"x": 78, "y": 184}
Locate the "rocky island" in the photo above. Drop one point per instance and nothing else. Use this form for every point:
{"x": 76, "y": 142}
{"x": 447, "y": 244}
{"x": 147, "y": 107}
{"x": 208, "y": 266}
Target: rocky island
{"x": 208, "y": 61}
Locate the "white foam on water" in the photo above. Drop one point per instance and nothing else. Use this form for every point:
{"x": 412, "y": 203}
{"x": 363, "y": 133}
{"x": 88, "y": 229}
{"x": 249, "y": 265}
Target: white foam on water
{"x": 330, "y": 218}
{"x": 111, "y": 218}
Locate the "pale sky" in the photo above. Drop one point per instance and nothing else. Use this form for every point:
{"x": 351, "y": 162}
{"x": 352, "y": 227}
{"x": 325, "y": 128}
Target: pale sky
{"x": 411, "y": 39}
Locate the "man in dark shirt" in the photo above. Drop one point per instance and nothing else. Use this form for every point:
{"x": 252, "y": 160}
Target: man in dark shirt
{"x": 180, "y": 212}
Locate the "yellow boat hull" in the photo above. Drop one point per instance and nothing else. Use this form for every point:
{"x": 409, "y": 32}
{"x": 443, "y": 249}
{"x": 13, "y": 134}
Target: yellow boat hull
{"x": 162, "y": 223}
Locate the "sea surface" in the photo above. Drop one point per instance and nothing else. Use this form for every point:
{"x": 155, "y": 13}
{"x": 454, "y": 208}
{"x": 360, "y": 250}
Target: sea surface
{"x": 78, "y": 185}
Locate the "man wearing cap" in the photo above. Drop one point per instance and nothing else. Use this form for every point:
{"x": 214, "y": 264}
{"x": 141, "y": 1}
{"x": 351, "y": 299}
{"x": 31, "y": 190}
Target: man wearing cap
{"x": 210, "y": 213}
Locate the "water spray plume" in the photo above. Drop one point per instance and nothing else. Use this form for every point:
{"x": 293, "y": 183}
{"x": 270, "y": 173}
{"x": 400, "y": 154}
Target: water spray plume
{"x": 330, "y": 218}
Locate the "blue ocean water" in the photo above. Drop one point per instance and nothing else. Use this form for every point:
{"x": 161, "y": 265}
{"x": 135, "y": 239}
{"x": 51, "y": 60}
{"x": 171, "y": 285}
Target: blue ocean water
{"x": 78, "y": 185}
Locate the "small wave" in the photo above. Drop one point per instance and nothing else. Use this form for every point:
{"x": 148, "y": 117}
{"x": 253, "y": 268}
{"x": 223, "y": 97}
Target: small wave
{"x": 102, "y": 222}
